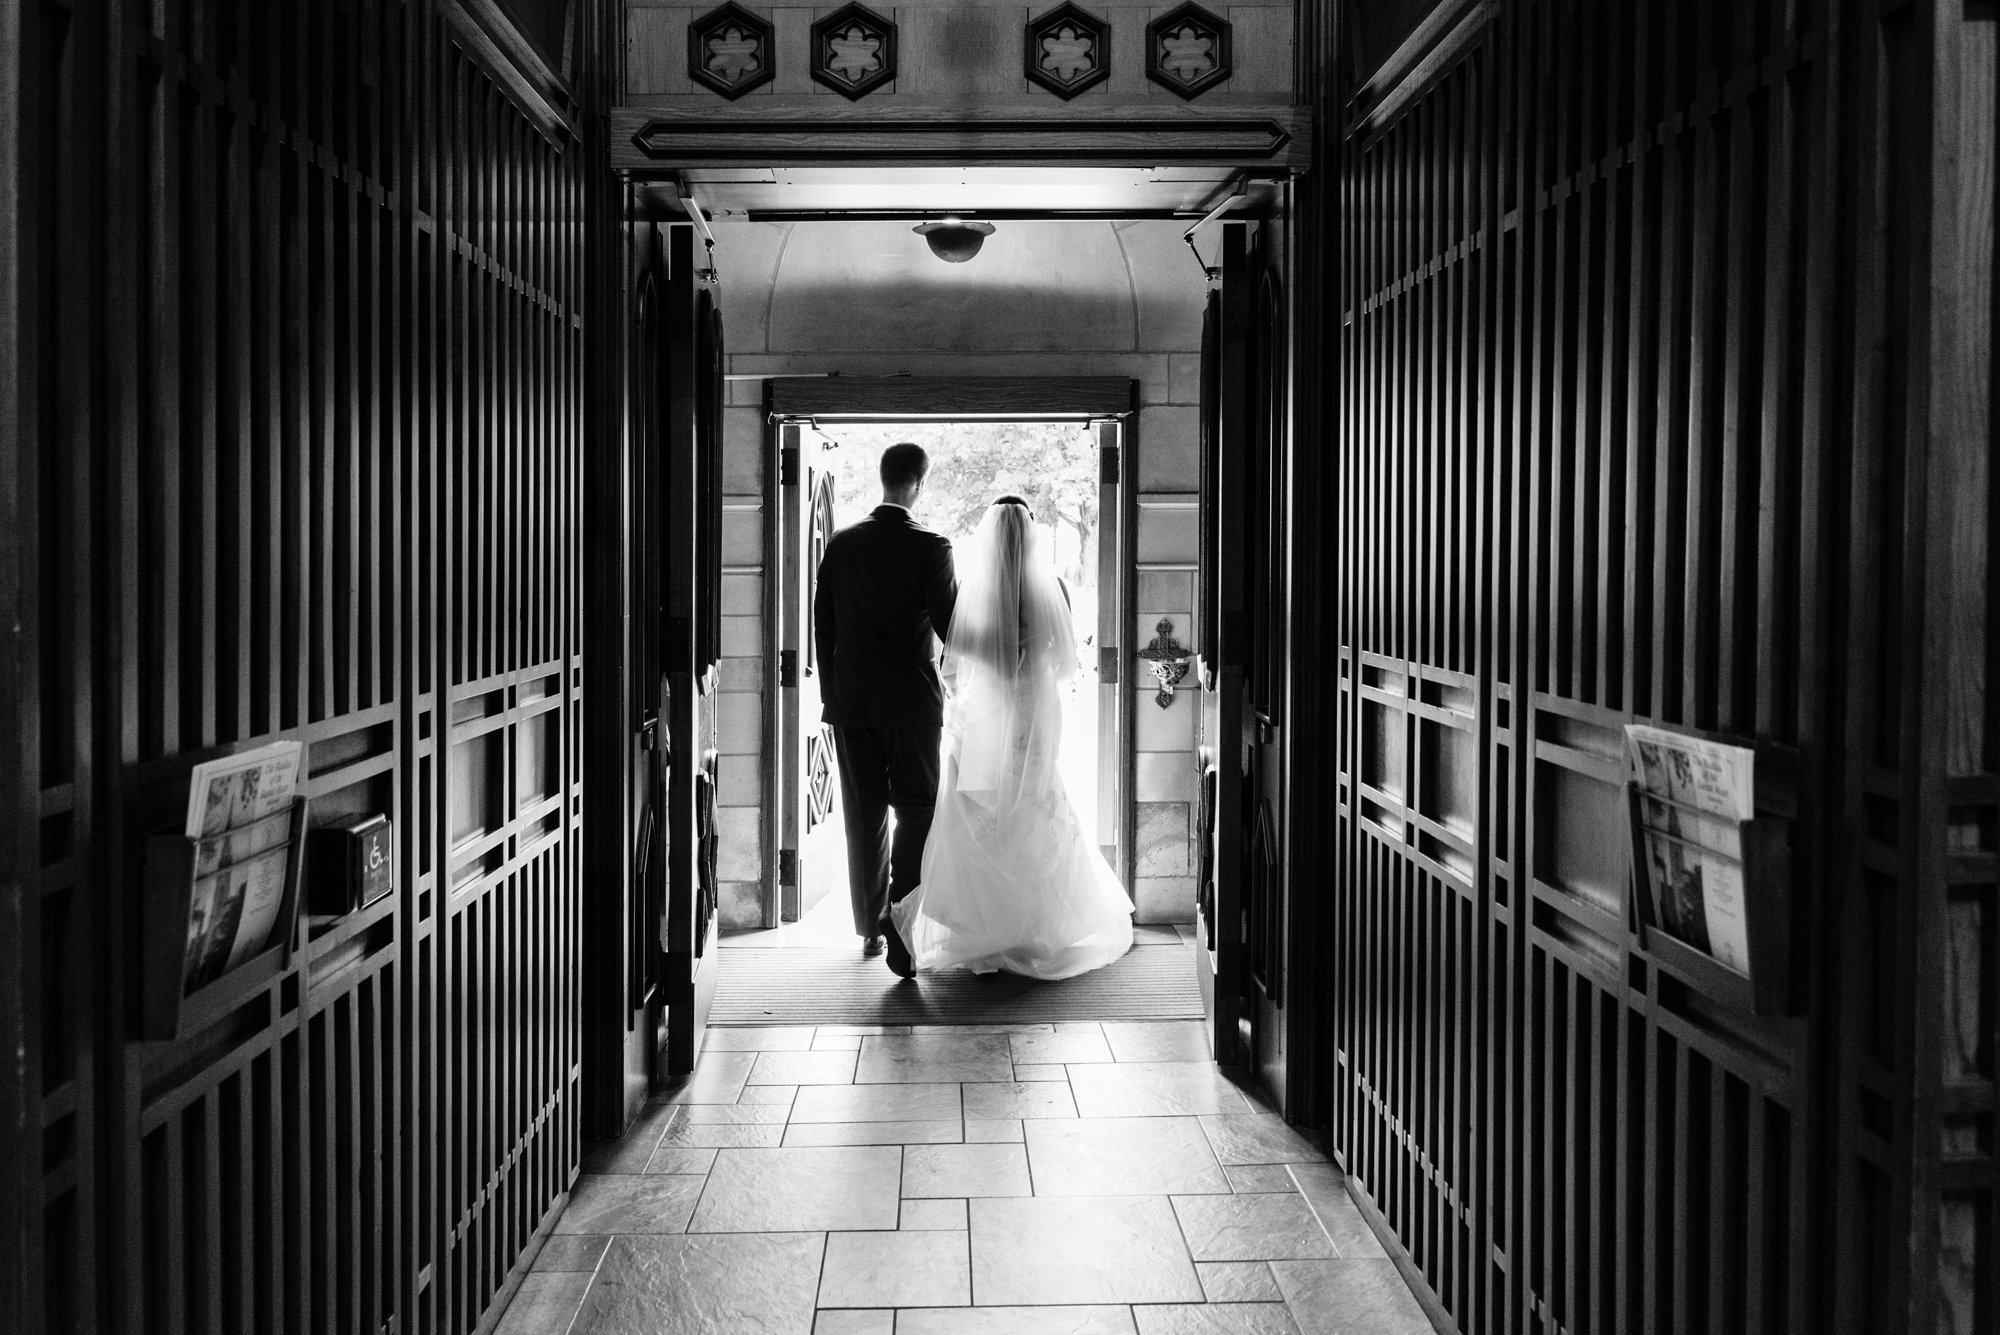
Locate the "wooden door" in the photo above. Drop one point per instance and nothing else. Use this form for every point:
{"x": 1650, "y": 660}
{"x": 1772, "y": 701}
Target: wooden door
{"x": 648, "y": 749}
{"x": 810, "y": 857}
{"x": 691, "y": 547}
{"x": 1228, "y": 726}
{"x": 1265, "y": 664}
{"x": 1116, "y": 572}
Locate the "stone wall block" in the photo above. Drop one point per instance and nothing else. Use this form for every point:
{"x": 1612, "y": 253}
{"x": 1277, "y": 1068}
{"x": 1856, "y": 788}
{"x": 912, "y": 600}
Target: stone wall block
{"x": 1169, "y": 729}
{"x": 742, "y": 595}
{"x": 742, "y": 534}
{"x": 742, "y": 637}
{"x": 739, "y": 781}
{"x": 1171, "y": 591}
{"x": 1168, "y": 535}
{"x": 1170, "y": 448}
{"x": 741, "y": 905}
{"x": 743, "y": 451}
{"x": 1161, "y": 839}
{"x": 740, "y": 722}
{"x": 1163, "y": 776}
{"x": 739, "y": 853}
{"x": 1159, "y": 899}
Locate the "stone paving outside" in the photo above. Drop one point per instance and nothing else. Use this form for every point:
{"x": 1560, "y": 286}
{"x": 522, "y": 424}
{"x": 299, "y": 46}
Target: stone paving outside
{"x": 1090, "y": 1179}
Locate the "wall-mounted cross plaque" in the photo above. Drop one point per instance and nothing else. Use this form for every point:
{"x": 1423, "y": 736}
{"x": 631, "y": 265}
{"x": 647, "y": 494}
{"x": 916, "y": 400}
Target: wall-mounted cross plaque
{"x": 854, "y": 51}
{"x": 1069, "y": 50}
{"x": 1168, "y": 659}
{"x": 731, "y": 51}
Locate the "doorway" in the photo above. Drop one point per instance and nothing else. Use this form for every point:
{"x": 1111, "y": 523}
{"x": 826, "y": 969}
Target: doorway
{"x": 1064, "y": 445}
{"x": 1053, "y": 465}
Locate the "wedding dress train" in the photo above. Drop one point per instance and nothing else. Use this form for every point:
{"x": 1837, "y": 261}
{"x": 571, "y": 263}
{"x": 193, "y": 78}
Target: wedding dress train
{"x": 1009, "y": 880}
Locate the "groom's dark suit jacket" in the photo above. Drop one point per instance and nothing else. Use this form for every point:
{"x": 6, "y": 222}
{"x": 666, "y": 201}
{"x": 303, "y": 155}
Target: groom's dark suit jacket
{"x": 886, "y": 585}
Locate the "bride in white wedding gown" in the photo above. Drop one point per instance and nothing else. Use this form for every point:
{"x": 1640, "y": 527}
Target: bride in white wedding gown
{"x": 1009, "y": 881}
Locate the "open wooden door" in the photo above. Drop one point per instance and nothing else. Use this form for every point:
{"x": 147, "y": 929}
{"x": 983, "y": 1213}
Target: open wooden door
{"x": 1115, "y": 578}
{"x": 691, "y": 546}
{"x": 1228, "y": 725}
{"x": 1265, "y": 664}
{"x": 810, "y": 862}
{"x": 625, "y": 745}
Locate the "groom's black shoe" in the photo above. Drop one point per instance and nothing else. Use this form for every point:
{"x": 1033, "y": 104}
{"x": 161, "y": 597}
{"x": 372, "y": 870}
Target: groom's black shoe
{"x": 899, "y": 953}
{"x": 872, "y": 947}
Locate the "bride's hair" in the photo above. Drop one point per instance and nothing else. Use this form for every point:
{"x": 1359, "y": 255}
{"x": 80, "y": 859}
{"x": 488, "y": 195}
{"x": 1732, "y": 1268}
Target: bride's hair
{"x": 1011, "y": 499}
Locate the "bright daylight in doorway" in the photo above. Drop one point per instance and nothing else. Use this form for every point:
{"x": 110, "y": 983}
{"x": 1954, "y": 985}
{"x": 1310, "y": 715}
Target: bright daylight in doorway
{"x": 1052, "y": 466}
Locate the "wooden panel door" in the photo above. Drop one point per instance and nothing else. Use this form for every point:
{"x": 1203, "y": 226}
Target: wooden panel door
{"x": 1116, "y": 573}
{"x": 1266, "y": 664}
{"x": 810, "y": 844}
{"x": 691, "y": 546}
{"x": 1228, "y": 728}
{"x": 648, "y": 749}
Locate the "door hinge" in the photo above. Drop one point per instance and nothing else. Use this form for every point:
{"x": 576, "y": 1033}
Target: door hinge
{"x": 1107, "y": 466}
{"x": 1107, "y": 666}
{"x": 788, "y": 466}
{"x": 788, "y": 667}
{"x": 788, "y": 866}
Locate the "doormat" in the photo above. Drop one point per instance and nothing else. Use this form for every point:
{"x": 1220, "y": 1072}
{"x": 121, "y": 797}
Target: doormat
{"x": 799, "y": 987}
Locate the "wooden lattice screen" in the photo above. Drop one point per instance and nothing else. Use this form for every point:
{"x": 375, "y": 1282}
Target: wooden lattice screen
{"x": 1637, "y": 418}
{"x": 293, "y": 400}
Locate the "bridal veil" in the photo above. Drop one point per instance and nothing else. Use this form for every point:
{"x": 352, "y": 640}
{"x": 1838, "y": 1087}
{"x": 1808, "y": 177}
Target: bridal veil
{"x": 1009, "y": 880}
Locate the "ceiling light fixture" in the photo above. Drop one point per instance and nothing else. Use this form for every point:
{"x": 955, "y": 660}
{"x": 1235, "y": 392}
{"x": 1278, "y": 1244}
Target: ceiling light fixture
{"x": 954, "y": 240}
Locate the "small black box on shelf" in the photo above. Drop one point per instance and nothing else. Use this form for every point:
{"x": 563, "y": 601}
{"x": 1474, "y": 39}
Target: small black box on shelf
{"x": 349, "y": 865}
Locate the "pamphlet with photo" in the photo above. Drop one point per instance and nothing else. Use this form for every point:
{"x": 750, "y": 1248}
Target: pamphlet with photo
{"x": 1693, "y": 796}
{"x": 240, "y": 816}
{"x": 240, "y": 790}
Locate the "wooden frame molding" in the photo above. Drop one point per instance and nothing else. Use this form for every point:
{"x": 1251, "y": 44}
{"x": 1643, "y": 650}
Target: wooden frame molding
{"x": 497, "y": 45}
{"x": 886, "y": 398}
{"x": 1111, "y": 401}
{"x": 654, "y": 140}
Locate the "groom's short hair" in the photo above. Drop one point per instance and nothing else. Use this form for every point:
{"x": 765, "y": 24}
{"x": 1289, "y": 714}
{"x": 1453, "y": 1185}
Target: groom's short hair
{"x": 904, "y": 466}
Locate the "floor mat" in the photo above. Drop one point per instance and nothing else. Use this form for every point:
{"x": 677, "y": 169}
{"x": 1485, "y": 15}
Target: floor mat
{"x": 793, "y": 986}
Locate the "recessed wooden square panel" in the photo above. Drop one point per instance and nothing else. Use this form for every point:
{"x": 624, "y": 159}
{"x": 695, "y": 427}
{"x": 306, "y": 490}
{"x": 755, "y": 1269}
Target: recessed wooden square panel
{"x": 1581, "y": 834}
{"x": 537, "y": 758}
{"x": 478, "y": 778}
{"x": 1450, "y": 784}
{"x": 1384, "y": 747}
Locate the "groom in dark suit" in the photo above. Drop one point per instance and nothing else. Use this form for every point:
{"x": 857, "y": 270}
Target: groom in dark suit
{"x": 884, "y": 600}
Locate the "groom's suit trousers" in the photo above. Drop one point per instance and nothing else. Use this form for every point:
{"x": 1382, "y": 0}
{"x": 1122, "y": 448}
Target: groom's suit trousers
{"x": 882, "y": 768}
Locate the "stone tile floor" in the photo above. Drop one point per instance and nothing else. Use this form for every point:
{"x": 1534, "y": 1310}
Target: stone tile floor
{"x": 1102, "y": 1179}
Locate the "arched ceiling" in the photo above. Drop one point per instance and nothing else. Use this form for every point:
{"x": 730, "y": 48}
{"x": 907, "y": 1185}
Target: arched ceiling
{"x": 1036, "y": 286}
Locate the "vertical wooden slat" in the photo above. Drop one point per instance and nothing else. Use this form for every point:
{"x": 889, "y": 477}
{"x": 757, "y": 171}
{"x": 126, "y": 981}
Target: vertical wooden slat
{"x": 1702, "y": 252}
{"x": 224, "y": 213}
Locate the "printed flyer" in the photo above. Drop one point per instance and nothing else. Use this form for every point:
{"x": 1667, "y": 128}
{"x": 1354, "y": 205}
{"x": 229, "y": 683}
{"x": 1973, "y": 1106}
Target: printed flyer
{"x": 1693, "y": 794}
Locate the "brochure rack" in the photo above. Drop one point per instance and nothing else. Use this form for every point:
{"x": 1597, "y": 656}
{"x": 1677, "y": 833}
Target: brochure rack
{"x": 166, "y": 1009}
{"x": 1764, "y": 843}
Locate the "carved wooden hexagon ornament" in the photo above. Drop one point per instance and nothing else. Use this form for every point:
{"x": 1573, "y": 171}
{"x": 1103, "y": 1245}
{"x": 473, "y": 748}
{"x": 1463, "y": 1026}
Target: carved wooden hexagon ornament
{"x": 731, "y": 51}
{"x": 1069, "y": 50}
{"x": 1188, "y": 50}
{"x": 854, "y": 51}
